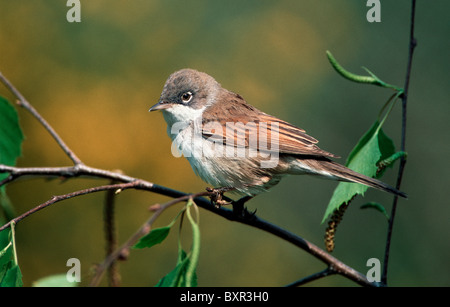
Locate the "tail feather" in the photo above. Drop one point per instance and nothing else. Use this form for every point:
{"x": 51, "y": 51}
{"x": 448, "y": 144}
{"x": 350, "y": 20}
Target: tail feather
{"x": 337, "y": 171}
{"x": 347, "y": 174}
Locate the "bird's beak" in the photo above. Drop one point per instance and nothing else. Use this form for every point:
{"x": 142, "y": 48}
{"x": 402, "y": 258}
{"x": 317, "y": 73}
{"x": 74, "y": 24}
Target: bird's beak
{"x": 161, "y": 105}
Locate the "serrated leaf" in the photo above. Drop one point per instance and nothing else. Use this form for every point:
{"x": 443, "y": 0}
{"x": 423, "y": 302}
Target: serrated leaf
{"x": 373, "y": 146}
{"x": 154, "y": 237}
{"x": 362, "y": 142}
{"x": 387, "y": 149}
{"x": 11, "y": 135}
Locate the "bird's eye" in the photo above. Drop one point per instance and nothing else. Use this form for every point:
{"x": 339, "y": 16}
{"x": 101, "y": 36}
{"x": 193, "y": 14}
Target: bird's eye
{"x": 186, "y": 97}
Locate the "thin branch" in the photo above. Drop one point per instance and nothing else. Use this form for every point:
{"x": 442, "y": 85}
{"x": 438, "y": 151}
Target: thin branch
{"x": 311, "y": 278}
{"x": 124, "y": 250}
{"x": 80, "y": 170}
{"x": 110, "y": 235}
{"x": 55, "y": 199}
{"x": 412, "y": 45}
{"x": 25, "y": 104}
{"x": 335, "y": 264}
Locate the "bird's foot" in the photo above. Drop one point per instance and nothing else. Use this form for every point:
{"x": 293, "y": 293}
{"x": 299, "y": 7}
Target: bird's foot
{"x": 216, "y": 196}
{"x": 239, "y": 209}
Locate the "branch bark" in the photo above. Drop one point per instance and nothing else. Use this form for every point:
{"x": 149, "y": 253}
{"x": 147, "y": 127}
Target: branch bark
{"x": 332, "y": 263}
{"x": 110, "y": 235}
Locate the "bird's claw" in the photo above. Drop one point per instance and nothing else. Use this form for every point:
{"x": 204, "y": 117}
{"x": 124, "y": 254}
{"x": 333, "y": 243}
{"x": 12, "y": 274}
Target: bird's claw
{"x": 239, "y": 209}
{"x": 216, "y": 196}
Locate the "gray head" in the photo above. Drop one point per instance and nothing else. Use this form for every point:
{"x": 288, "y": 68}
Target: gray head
{"x": 187, "y": 88}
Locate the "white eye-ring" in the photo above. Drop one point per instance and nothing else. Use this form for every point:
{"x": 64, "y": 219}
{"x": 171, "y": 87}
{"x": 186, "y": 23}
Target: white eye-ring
{"x": 186, "y": 97}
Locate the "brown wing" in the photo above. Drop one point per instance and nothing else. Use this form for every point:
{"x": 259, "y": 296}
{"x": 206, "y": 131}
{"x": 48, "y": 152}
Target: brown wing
{"x": 244, "y": 125}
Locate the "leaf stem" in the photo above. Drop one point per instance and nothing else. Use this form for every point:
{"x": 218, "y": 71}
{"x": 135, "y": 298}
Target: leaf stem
{"x": 13, "y": 240}
{"x": 195, "y": 250}
{"x": 310, "y": 278}
{"x": 394, "y": 97}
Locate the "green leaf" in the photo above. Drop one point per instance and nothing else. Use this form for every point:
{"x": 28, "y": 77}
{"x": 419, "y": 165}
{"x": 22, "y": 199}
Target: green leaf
{"x": 10, "y": 275}
{"x": 191, "y": 278}
{"x": 373, "y": 146}
{"x": 155, "y": 236}
{"x": 6, "y": 255}
{"x": 5, "y": 241}
{"x": 389, "y": 161}
{"x": 184, "y": 274}
{"x": 372, "y": 79}
{"x": 11, "y": 138}
{"x": 11, "y": 135}
{"x": 177, "y": 277}
{"x": 5, "y": 250}
{"x": 348, "y": 75}
{"x": 376, "y": 206}
{"x": 58, "y": 280}
{"x": 386, "y": 145}
{"x": 5, "y": 204}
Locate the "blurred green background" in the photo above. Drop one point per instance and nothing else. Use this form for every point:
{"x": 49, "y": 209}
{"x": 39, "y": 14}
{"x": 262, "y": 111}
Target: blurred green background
{"x": 94, "y": 81}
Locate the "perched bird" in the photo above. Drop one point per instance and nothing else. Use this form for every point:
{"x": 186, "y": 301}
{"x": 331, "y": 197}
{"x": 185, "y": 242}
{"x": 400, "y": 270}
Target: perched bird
{"x": 231, "y": 144}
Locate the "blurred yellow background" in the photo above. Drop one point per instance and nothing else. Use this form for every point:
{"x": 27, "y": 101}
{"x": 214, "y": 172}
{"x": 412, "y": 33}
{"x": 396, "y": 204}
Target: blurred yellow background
{"x": 94, "y": 81}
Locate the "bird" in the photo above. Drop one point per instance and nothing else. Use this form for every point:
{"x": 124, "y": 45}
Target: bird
{"x": 232, "y": 145}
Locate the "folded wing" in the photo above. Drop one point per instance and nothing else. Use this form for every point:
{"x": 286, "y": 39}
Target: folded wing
{"x": 243, "y": 125}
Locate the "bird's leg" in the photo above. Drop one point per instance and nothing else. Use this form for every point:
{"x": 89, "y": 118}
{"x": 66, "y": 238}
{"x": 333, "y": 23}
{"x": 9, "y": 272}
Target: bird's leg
{"x": 216, "y": 196}
{"x": 240, "y": 210}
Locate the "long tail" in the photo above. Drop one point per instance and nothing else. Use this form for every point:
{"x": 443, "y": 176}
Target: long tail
{"x": 328, "y": 168}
